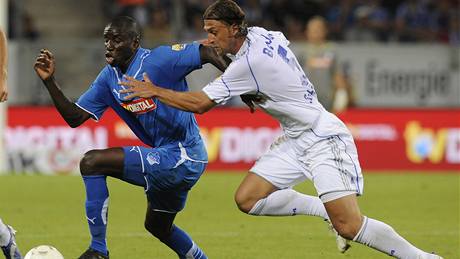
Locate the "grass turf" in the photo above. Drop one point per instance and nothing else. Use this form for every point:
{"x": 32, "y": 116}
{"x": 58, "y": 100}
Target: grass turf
{"x": 424, "y": 208}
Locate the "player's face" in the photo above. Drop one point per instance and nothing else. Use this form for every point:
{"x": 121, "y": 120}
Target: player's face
{"x": 222, "y": 36}
{"x": 120, "y": 47}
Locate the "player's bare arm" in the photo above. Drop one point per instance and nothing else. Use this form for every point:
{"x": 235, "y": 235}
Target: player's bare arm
{"x": 196, "y": 102}
{"x": 44, "y": 67}
{"x": 3, "y": 67}
{"x": 209, "y": 54}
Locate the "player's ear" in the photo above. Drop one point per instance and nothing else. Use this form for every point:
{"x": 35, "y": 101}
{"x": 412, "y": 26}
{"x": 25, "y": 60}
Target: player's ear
{"x": 234, "y": 29}
{"x": 136, "y": 42}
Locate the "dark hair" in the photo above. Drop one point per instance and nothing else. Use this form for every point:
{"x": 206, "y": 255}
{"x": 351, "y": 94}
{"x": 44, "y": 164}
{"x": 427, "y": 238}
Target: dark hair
{"x": 229, "y": 12}
{"x": 127, "y": 25}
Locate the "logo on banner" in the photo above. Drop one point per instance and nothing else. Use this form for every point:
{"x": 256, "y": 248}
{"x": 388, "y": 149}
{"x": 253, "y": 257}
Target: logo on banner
{"x": 432, "y": 144}
{"x": 139, "y": 106}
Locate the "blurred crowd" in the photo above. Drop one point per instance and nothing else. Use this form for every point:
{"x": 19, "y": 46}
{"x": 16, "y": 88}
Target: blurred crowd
{"x": 347, "y": 20}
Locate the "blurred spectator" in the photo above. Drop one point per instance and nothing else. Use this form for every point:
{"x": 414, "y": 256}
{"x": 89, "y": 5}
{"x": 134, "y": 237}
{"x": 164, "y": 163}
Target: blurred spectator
{"x": 294, "y": 29}
{"x": 454, "y": 28}
{"x": 447, "y": 21}
{"x": 196, "y": 31}
{"x": 158, "y": 30}
{"x": 323, "y": 69}
{"x": 371, "y": 22}
{"x": 340, "y": 17}
{"x": 415, "y": 22}
{"x": 253, "y": 11}
{"x": 29, "y": 31}
{"x": 136, "y": 9}
{"x": 20, "y": 23}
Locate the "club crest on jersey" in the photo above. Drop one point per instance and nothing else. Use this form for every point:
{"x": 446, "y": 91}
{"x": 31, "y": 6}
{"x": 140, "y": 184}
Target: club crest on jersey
{"x": 178, "y": 47}
{"x": 153, "y": 158}
{"x": 139, "y": 106}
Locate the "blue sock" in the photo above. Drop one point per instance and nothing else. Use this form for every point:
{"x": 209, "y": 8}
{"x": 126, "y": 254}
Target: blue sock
{"x": 183, "y": 245}
{"x": 97, "y": 202}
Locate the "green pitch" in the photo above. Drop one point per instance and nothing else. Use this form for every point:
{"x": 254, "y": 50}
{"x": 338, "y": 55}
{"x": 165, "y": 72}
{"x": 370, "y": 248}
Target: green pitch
{"x": 50, "y": 210}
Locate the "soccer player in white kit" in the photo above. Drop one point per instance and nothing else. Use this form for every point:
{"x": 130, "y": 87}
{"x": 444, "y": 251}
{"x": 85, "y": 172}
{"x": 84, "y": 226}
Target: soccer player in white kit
{"x": 315, "y": 145}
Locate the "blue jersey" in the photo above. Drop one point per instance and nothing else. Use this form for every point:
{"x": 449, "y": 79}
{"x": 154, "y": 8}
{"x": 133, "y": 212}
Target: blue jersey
{"x": 153, "y": 122}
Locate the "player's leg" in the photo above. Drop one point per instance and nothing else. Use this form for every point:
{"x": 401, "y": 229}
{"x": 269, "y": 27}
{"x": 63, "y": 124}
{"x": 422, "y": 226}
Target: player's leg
{"x": 8, "y": 242}
{"x": 95, "y": 166}
{"x": 170, "y": 176}
{"x": 257, "y": 196}
{"x": 338, "y": 180}
{"x": 348, "y": 221}
{"x": 160, "y": 224}
{"x": 266, "y": 189}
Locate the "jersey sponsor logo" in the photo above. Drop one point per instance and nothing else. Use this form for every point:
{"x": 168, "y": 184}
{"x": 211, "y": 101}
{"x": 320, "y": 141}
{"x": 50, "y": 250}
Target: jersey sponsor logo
{"x": 153, "y": 158}
{"x": 139, "y": 106}
{"x": 178, "y": 47}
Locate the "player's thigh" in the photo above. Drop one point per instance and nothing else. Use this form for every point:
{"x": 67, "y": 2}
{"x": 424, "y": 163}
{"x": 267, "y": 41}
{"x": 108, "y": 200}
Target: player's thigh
{"x": 168, "y": 189}
{"x": 334, "y": 167}
{"x": 108, "y": 162}
{"x": 279, "y": 165}
{"x": 166, "y": 176}
{"x": 253, "y": 188}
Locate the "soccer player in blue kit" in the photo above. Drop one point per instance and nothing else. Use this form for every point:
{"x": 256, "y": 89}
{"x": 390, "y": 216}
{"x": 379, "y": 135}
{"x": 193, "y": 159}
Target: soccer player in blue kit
{"x": 176, "y": 156}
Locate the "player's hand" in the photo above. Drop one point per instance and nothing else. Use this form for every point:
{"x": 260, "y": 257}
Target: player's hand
{"x": 45, "y": 65}
{"x": 250, "y": 100}
{"x": 137, "y": 88}
{"x": 3, "y": 88}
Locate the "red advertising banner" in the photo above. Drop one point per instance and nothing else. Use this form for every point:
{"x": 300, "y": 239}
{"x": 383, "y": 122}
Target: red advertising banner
{"x": 39, "y": 141}
{"x": 406, "y": 139}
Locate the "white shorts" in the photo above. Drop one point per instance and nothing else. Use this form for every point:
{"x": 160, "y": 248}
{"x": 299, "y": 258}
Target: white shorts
{"x": 330, "y": 162}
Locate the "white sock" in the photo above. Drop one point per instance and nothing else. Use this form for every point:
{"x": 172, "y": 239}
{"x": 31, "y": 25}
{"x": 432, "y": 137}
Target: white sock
{"x": 4, "y": 234}
{"x": 288, "y": 202}
{"x": 384, "y": 238}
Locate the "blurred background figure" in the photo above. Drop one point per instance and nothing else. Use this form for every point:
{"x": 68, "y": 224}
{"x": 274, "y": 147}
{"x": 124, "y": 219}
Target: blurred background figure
{"x": 415, "y": 21}
{"x": 371, "y": 22}
{"x": 136, "y": 9}
{"x": 323, "y": 67}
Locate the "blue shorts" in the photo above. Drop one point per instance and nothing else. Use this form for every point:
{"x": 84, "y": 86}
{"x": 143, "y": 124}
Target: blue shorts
{"x": 164, "y": 173}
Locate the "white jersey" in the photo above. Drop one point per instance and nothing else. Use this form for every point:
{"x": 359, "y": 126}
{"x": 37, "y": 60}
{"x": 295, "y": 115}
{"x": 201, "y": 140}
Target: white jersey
{"x": 265, "y": 66}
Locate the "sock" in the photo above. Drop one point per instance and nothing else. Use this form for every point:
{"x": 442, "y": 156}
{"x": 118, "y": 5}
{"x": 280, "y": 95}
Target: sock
{"x": 384, "y": 238}
{"x": 5, "y": 234}
{"x": 97, "y": 202}
{"x": 288, "y": 202}
{"x": 183, "y": 245}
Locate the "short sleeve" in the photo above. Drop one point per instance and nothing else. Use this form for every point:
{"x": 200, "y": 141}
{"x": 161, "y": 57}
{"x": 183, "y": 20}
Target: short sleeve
{"x": 180, "y": 59}
{"x": 93, "y": 101}
{"x": 235, "y": 81}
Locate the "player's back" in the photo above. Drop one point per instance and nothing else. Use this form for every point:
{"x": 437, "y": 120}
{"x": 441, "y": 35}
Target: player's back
{"x": 287, "y": 93}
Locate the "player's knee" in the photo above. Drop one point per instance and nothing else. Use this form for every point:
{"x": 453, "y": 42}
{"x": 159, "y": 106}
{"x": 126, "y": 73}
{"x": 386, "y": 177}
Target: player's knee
{"x": 159, "y": 232}
{"x": 89, "y": 163}
{"x": 244, "y": 202}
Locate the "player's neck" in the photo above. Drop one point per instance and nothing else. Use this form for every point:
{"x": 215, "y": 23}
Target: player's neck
{"x": 238, "y": 44}
{"x": 125, "y": 66}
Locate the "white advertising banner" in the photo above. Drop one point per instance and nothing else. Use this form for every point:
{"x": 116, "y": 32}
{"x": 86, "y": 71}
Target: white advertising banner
{"x": 400, "y": 75}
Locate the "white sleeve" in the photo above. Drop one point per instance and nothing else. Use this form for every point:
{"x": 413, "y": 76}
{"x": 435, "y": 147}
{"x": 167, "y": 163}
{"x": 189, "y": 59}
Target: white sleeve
{"x": 235, "y": 81}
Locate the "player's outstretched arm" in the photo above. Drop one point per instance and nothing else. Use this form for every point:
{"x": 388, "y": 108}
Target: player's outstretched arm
{"x": 196, "y": 102}
{"x": 44, "y": 67}
{"x": 3, "y": 67}
{"x": 209, "y": 54}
